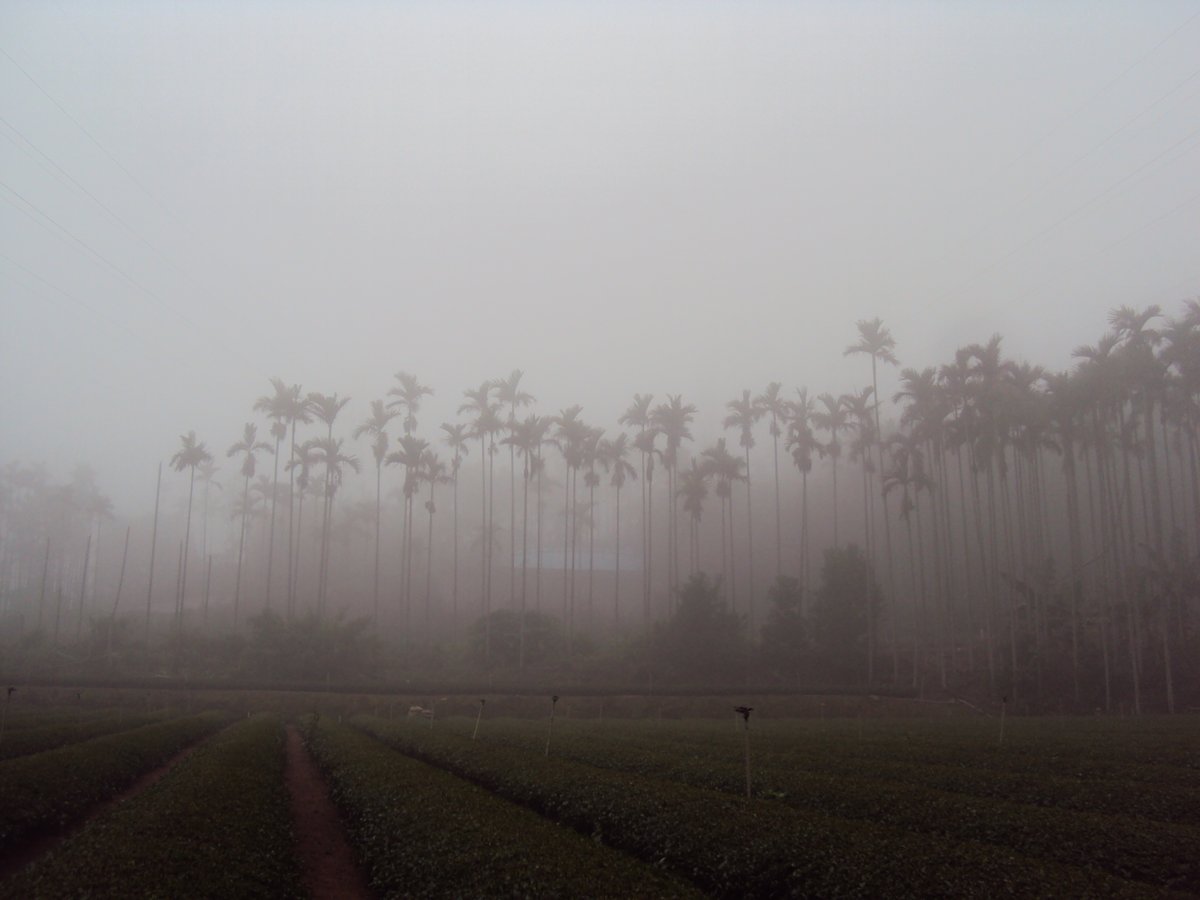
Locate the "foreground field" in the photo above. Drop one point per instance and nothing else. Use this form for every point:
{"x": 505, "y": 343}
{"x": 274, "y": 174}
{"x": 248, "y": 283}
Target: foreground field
{"x": 456, "y": 807}
{"x": 823, "y": 822}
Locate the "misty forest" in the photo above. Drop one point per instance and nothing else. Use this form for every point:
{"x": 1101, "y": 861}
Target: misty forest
{"x": 622, "y": 449}
{"x": 992, "y": 528}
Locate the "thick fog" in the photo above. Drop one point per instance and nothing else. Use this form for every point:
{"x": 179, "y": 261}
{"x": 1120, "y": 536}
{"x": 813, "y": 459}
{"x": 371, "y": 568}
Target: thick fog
{"x": 613, "y": 198}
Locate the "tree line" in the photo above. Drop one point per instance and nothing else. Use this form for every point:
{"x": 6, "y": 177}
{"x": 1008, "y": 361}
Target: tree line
{"x": 1031, "y": 531}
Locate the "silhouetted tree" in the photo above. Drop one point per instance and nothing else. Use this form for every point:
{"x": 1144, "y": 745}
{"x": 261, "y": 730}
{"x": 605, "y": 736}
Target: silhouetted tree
{"x": 847, "y": 598}
{"x": 703, "y": 641}
{"x": 376, "y": 428}
{"x": 613, "y": 455}
{"x": 190, "y": 455}
{"x": 247, "y": 447}
{"x": 785, "y": 637}
{"x": 743, "y": 413}
{"x": 456, "y": 437}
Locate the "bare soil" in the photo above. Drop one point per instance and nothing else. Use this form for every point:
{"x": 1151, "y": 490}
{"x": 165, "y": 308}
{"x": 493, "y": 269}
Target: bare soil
{"x": 329, "y": 869}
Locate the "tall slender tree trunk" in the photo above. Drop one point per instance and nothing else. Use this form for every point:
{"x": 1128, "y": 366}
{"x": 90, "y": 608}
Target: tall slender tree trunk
{"x": 153, "y": 547}
{"x": 454, "y": 569}
{"x": 922, "y": 596}
{"x": 112, "y": 619}
{"x": 591, "y": 549}
{"x": 724, "y": 548}
{"x": 274, "y": 504}
{"x": 836, "y": 542}
{"x": 805, "y": 562}
{"x": 649, "y": 550}
{"x": 778, "y": 514}
{"x": 237, "y": 583}
{"x": 732, "y": 556}
{"x": 378, "y": 510}
{"x": 291, "y": 590}
{"x": 87, "y": 555}
{"x": 1074, "y": 539}
{"x": 749, "y": 548}
{"x": 971, "y": 598}
{"x": 207, "y": 589}
{"x": 429, "y": 571}
{"x": 42, "y": 591}
{"x": 645, "y": 565}
{"x": 566, "y": 591}
{"x": 483, "y": 546}
{"x": 187, "y": 535}
{"x": 537, "y": 575}
{"x": 58, "y": 606}
{"x": 299, "y": 538}
{"x": 512, "y": 513}
{"x": 617, "y": 570}
{"x": 871, "y": 628}
{"x": 179, "y": 593}
{"x": 491, "y": 531}
{"x": 524, "y": 559}
{"x": 574, "y": 479}
{"x": 912, "y": 576}
{"x": 887, "y": 524}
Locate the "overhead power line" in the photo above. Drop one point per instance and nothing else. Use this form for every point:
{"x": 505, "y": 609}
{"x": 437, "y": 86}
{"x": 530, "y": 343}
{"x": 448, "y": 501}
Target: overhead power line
{"x": 33, "y": 212}
{"x": 45, "y": 93}
{"x": 31, "y": 149}
{"x": 1072, "y": 213}
{"x": 1104, "y": 88}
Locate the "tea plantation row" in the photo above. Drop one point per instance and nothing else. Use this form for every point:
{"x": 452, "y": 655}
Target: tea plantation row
{"x": 650, "y": 809}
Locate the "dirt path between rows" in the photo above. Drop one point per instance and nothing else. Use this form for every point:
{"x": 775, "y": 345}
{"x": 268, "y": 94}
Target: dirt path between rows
{"x": 26, "y": 852}
{"x": 329, "y": 869}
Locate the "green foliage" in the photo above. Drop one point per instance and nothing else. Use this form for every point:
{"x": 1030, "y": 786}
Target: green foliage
{"x": 45, "y": 791}
{"x": 703, "y": 641}
{"x": 842, "y": 780}
{"x": 24, "y": 741}
{"x": 423, "y": 832}
{"x": 309, "y": 648}
{"x": 785, "y": 640}
{"x": 848, "y": 595}
{"x": 218, "y": 825}
{"x": 732, "y": 848}
{"x": 544, "y": 641}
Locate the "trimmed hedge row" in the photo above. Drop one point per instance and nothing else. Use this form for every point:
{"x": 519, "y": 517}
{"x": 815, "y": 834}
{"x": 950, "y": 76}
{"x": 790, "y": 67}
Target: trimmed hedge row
{"x": 421, "y": 832}
{"x": 732, "y": 848}
{"x": 47, "y": 737}
{"x": 1124, "y": 846}
{"x": 46, "y": 791}
{"x": 1145, "y": 750}
{"x": 1056, "y": 779}
{"x": 218, "y": 825}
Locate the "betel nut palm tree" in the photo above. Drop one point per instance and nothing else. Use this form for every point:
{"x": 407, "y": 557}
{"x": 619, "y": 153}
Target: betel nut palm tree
{"x": 375, "y": 427}
{"x": 247, "y": 448}
{"x": 743, "y": 413}
{"x": 509, "y": 395}
{"x": 876, "y": 341}
{"x": 456, "y": 438}
{"x": 614, "y": 455}
{"x": 191, "y": 454}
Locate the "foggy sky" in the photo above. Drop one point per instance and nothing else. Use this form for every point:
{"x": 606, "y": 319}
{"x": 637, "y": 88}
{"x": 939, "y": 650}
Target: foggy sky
{"x": 614, "y": 197}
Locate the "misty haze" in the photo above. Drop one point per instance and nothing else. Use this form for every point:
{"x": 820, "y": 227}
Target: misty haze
{"x": 762, "y": 438}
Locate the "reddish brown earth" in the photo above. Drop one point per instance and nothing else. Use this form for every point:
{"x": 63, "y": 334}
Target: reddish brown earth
{"x": 328, "y": 864}
{"x": 13, "y": 859}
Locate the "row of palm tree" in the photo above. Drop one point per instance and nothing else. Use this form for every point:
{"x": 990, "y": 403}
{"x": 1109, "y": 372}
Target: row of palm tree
{"x": 965, "y": 461}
